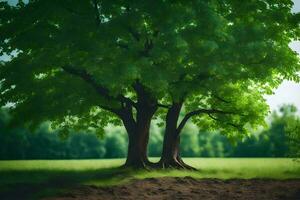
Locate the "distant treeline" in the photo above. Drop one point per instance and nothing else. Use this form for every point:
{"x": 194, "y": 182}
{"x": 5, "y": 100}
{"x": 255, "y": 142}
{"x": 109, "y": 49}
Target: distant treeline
{"x": 274, "y": 141}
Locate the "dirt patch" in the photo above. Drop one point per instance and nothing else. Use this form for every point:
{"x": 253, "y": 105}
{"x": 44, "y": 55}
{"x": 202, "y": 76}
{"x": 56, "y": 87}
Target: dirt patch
{"x": 190, "y": 188}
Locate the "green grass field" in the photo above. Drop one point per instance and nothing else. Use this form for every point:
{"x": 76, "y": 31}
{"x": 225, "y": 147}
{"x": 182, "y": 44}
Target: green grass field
{"x": 45, "y": 177}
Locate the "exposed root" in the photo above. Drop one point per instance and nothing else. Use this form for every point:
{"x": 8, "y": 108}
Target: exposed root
{"x": 151, "y": 165}
{"x": 174, "y": 164}
{"x": 186, "y": 165}
{"x": 162, "y": 164}
{"x": 139, "y": 165}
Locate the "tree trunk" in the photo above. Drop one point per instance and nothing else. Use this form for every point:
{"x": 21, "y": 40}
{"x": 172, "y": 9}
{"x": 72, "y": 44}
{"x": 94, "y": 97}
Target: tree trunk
{"x": 138, "y": 134}
{"x": 137, "y": 150}
{"x": 171, "y": 153}
{"x": 138, "y": 142}
{"x": 171, "y": 146}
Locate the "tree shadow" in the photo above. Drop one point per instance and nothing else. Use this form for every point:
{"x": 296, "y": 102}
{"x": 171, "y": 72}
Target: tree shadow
{"x": 39, "y": 183}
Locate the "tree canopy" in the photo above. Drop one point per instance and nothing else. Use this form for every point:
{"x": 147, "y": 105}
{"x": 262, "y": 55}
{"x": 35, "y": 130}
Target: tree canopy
{"x": 84, "y": 64}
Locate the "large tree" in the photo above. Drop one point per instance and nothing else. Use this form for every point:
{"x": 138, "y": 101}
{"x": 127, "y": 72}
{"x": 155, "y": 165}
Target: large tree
{"x": 234, "y": 53}
{"x": 84, "y": 64}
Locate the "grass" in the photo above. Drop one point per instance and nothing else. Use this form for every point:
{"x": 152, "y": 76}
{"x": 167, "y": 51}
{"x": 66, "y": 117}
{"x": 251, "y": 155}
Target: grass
{"x": 33, "y": 179}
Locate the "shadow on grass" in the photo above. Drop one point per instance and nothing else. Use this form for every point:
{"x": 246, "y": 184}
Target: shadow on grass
{"x": 35, "y": 184}
{"x": 40, "y": 183}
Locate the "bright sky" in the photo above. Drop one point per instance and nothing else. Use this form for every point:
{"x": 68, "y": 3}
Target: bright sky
{"x": 287, "y": 93}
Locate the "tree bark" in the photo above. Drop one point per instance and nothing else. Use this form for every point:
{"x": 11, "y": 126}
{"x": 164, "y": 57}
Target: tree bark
{"x": 171, "y": 153}
{"x": 138, "y": 130}
{"x": 171, "y": 146}
{"x": 137, "y": 150}
{"x": 138, "y": 141}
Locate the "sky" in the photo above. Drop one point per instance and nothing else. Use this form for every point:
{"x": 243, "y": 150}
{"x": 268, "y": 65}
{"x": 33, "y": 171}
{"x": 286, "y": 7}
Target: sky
{"x": 288, "y": 92}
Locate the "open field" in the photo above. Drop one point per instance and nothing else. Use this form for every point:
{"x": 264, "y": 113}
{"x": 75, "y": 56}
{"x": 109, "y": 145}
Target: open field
{"x": 34, "y": 179}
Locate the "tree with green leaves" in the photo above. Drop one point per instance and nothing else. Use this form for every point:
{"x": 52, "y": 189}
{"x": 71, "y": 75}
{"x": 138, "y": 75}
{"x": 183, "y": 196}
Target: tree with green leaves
{"x": 85, "y": 64}
{"x": 288, "y": 119}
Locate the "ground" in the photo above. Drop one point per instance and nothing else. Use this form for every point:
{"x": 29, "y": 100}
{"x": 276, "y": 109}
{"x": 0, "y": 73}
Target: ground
{"x": 101, "y": 179}
{"x": 189, "y": 188}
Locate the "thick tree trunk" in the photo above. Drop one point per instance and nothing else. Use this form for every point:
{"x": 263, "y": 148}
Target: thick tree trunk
{"x": 138, "y": 142}
{"x": 138, "y": 131}
{"x": 171, "y": 153}
{"x": 171, "y": 146}
{"x": 137, "y": 150}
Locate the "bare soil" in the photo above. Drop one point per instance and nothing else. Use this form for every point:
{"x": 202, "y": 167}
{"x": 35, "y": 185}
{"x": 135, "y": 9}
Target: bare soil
{"x": 190, "y": 188}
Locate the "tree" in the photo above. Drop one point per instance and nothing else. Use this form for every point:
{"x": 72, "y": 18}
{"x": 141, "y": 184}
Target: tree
{"x": 70, "y": 74}
{"x": 84, "y": 64}
{"x": 280, "y": 139}
{"x": 289, "y": 121}
{"x": 233, "y": 53}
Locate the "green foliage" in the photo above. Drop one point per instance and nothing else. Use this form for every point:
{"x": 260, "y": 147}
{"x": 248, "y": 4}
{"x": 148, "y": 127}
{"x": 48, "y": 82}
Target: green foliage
{"x": 291, "y": 122}
{"x": 245, "y": 105}
{"x": 279, "y": 139}
{"x": 155, "y": 141}
{"x": 189, "y": 146}
{"x": 199, "y": 51}
{"x": 115, "y": 143}
{"x": 19, "y": 143}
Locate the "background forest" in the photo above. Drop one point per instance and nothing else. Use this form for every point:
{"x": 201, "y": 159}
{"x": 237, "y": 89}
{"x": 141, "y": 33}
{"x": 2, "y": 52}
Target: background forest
{"x": 278, "y": 139}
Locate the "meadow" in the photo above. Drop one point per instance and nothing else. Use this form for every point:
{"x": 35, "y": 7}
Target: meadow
{"x": 37, "y": 178}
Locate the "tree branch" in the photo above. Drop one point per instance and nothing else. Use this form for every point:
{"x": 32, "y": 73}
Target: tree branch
{"x": 126, "y": 114}
{"x": 104, "y": 92}
{"x": 197, "y": 112}
{"x": 221, "y": 99}
{"x": 144, "y": 97}
{"x": 163, "y": 106}
{"x": 230, "y": 124}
